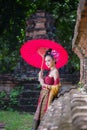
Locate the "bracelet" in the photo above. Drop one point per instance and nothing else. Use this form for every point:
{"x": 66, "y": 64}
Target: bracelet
{"x": 48, "y": 87}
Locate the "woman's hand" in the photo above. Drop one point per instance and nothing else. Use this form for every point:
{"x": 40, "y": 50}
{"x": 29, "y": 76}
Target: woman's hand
{"x": 48, "y": 87}
{"x": 40, "y": 78}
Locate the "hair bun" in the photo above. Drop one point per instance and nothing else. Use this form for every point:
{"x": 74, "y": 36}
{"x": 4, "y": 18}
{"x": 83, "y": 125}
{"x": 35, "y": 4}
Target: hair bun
{"x": 53, "y": 53}
{"x": 48, "y": 52}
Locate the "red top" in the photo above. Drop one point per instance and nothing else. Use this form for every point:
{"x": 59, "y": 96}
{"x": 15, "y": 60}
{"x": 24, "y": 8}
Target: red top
{"x": 50, "y": 81}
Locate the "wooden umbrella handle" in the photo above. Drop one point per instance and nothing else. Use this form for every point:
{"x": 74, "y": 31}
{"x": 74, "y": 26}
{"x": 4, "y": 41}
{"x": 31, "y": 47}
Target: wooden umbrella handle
{"x": 42, "y": 63}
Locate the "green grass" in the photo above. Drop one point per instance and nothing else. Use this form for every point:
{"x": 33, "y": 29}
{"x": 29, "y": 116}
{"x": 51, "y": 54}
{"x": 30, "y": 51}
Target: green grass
{"x": 16, "y": 120}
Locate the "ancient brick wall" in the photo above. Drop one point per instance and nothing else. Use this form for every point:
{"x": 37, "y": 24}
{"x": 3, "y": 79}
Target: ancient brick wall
{"x": 29, "y": 97}
{"x": 83, "y": 77}
{"x": 40, "y": 25}
{"x": 7, "y": 82}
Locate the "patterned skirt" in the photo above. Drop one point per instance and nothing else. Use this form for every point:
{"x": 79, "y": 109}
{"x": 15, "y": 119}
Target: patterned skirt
{"x": 46, "y": 97}
{"x": 42, "y": 104}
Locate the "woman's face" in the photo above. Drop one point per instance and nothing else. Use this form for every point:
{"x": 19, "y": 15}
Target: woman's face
{"x": 49, "y": 61}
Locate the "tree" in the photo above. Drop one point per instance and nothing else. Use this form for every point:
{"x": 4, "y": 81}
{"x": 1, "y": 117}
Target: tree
{"x": 12, "y": 26}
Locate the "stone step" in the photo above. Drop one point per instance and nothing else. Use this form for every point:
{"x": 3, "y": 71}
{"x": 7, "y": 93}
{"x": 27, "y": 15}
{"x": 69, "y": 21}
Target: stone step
{"x": 29, "y": 97}
{"x": 29, "y": 94}
{"x": 31, "y": 86}
{"x": 2, "y": 126}
{"x": 30, "y": 91}
{"x": 28, "y": 101}
{"x": 28, "y": 108}
{"x": 80, "y": 108}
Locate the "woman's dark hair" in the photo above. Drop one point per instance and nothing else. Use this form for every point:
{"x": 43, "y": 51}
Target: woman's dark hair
{"x": 48, "y": 53}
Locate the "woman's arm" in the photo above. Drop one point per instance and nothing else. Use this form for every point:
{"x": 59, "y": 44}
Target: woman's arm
{"x": 41, "y": 79}
{"x": 56, "y": 79}
{"x": 56, "y": 75}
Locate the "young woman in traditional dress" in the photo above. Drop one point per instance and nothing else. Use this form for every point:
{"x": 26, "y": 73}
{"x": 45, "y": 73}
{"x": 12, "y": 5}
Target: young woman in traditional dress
{"x": 50, "y": 86}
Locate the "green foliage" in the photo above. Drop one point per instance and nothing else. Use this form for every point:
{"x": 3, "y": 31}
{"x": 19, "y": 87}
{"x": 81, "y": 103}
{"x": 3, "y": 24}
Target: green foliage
{"x": 3, "y": 97}
{"x": 15, "y": 120}
{"x": 12, "y": 27}
{"x": 81, "y": 87}
{"x": 10, "y": 101}
{"x": 14, "y": 96}
{"x": 21, "y": 37}
{"x": 2, "y": 94}
{"x": 8, "y": 56}
{"x": 65, "y": 17}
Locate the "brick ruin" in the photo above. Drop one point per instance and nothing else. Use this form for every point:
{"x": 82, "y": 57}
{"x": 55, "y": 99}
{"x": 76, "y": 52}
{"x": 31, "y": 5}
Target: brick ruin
{"x": 38, "y": 25}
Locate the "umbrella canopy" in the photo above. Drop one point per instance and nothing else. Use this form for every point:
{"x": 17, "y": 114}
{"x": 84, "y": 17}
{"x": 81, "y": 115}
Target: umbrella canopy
{"x": 33, "y": 52}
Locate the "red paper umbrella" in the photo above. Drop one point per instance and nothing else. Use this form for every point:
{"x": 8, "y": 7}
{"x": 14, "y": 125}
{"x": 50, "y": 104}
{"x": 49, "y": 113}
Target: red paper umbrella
{"x": 33, "y": 52}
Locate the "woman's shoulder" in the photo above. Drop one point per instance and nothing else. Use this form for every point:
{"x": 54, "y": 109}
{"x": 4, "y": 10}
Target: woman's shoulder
{"x": 56, "y": 72}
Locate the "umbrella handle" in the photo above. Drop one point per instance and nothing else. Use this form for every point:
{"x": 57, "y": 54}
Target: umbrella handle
{"x": 42, "y": 63}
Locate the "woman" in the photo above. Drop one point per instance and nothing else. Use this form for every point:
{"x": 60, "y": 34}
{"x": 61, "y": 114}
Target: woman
{"x": 50, "y": 86}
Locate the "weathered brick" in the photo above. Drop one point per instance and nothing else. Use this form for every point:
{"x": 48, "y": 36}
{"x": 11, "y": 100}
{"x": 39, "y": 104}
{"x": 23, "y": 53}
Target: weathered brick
{"x": 40, "y": 25}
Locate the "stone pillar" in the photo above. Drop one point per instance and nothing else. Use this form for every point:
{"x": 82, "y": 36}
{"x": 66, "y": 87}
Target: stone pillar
{"x": 79, "y": 43}
{"x": 83, "y": 69}
{"x": 38, "y": 26}
{"x": 83, "y": 66}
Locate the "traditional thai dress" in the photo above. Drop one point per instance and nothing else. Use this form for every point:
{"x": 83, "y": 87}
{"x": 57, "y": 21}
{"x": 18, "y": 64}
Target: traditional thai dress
{"x": 46, "y": 96}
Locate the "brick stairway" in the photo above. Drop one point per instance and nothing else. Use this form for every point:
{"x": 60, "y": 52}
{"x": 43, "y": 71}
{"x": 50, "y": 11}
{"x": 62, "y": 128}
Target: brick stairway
{"x": 29, "y": 97}
{"x": 2, "y": 126}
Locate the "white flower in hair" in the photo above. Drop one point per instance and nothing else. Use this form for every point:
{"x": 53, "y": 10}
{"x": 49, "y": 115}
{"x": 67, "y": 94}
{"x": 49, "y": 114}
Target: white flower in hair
{"x": 55, "y": 54}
